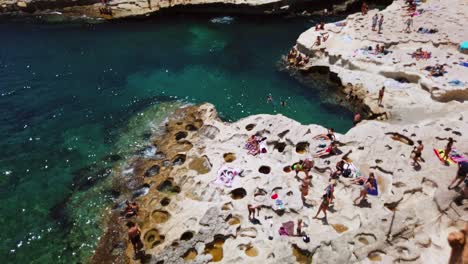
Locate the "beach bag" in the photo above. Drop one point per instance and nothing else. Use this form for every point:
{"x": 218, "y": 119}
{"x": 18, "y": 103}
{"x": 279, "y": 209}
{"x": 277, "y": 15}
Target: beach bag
{"x": 347, "y": 173}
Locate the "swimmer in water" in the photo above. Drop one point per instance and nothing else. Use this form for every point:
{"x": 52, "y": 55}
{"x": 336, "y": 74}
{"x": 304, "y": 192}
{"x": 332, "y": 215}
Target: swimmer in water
{"x": 269, "y": 99}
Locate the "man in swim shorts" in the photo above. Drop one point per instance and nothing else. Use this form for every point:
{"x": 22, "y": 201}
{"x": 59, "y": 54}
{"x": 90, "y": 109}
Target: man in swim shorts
{"x": 417, "y": 153}
{"x": 134, "y": 234}
{"x": 461, "y": 174}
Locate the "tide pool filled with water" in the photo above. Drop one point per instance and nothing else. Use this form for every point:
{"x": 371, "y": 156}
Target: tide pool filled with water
{"x": 74, "y": 96}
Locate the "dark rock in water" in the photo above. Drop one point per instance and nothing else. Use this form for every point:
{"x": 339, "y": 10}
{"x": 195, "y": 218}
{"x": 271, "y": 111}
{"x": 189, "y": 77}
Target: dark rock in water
{"x": 154, "y": 170}
{"x": 86, "y": 177}
{"x": 112, "y": 158}
{"x": 147, "y": 135}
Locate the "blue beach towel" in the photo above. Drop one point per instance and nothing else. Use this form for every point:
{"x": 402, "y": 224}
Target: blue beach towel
{"x": 464, "y": 45}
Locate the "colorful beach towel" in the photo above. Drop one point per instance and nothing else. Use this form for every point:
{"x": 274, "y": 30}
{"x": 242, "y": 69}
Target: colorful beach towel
{"x": 453, "y": 158}
{"x": 226, "y": 175}
{"x": 287, "y": 229}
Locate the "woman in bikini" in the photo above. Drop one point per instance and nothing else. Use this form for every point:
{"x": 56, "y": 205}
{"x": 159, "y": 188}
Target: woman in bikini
{"x": 448, "y": 149}
{"x": 323, "y": 206}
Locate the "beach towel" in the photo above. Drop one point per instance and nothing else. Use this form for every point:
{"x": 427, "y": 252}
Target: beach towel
{"x": 453, "y": 158}
{"x": 340, "y": 23}
{"x": 375, "y": 191}
{"x": 440, "y": 153}
{"x": 287, "y": 229}
{"x": 464, "y": 45}
{"x": 279, "y": 205}
{"x": 456, "y": 83}
{"x": 226, "y": 176}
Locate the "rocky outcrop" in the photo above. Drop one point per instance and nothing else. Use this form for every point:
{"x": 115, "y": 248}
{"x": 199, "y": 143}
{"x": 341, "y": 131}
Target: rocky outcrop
{"x": 123, "y": 8}
{"x": 187, "y": 216}
{"x": 363, "y": 72}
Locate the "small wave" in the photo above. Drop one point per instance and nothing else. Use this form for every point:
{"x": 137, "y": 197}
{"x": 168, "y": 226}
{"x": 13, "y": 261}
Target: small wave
{"x": 222, "y": 20}
{"x": 148, "y": 151}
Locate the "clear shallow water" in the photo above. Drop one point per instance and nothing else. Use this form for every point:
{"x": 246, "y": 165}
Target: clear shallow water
{"x": 70, "y": 94}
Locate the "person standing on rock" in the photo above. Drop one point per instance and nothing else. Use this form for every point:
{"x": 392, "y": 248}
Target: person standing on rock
{"x": 381, "y": 95}
{"x": 323, "y": 206}
{"x": 462, "y": 172}
{"x": 409, "y": 24}
{"x": 448, "y": 149}
{"x": 134, "y": 235}
{"x": 417, "y": 153}
{"x": 252, "y": 210}
{"x": 305, "y": 188}
{"x": 374, "y": 21}
{"x": 380, "y": 24}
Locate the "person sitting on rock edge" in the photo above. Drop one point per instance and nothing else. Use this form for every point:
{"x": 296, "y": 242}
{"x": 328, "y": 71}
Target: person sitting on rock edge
{"x": 357, "y": 118}
{"x": 329, "y": 136}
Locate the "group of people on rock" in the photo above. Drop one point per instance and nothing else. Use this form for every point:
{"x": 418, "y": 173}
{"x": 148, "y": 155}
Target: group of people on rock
{"x": 134, "y": 233}
{"x": 436, "y": 70}
{"x": 375, "y": 21}
{"x": 296, "y": 58}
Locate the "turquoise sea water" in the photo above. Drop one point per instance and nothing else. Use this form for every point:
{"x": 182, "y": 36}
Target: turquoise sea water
{"x": 73, "y": 94}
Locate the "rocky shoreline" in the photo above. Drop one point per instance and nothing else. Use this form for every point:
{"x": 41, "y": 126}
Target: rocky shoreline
{"x": 117, "y": 9}
{"x": 186, "y": 216}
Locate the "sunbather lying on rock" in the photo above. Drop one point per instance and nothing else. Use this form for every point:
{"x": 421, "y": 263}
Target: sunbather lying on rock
{"x": 423, "y": 30}
{"x": 420, "y": 54}
{"x": 436, "y": 71}
{"x": 330, "y": 150}
{"x": 330, "y": 135}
